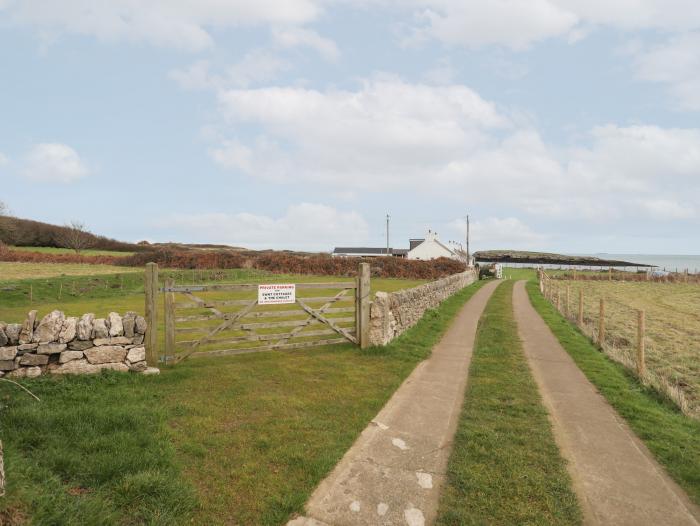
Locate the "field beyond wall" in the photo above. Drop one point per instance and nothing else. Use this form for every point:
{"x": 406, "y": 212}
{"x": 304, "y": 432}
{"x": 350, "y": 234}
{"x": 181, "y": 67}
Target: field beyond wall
{"x": 672, "y": 312}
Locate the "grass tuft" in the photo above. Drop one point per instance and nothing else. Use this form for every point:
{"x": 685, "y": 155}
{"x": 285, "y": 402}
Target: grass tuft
{"x": 505, "y": 467}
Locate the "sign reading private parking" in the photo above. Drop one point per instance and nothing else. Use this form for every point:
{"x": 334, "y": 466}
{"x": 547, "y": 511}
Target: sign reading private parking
{"x": 276, "y": 294}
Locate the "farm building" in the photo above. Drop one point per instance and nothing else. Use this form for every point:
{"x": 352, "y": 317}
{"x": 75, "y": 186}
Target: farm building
{"x": 368, "y": 252}
{"x": 426, "y": 248}
{"x": 431, "y": 248}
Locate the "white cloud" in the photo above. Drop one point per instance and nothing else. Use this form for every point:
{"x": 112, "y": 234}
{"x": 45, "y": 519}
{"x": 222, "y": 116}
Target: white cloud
{"x": 675, "y": 63}
{"x": 447, "y": 142}
{"x": 182, "y": 24}
{"x": 517, "y": 25}
{"x": 3, "y": 159}
{"x": 667, "y": 210}
{"x": 386, "y": 132}
{"x": 255, "y": 67}
{"x": 297, "y": 36}
{"x": 54, "y": 162}
{"x": 306, "y": 226}
{"x": 500, "y": 232}
{"x": 511, "y": 23}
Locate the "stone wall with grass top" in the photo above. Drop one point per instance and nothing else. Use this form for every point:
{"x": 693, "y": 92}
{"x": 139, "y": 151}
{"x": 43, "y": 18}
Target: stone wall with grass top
{"x": 60, "y": 344}
{"x": 391, "y": 314}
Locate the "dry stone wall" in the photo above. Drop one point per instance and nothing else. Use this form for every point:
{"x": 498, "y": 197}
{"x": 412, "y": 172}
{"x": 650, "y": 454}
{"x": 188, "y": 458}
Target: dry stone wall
{"x": 391, "y": 314}
{"x": 60, "y": 344}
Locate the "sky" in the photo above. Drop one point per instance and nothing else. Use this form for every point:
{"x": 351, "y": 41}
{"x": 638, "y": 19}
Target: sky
{"x": 558, "y": 125}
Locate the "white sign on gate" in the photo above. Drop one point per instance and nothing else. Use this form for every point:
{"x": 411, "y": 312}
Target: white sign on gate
{"x": 276, "y": 294}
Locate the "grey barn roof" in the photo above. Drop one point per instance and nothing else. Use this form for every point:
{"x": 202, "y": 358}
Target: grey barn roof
{"x": 369, "y": 250}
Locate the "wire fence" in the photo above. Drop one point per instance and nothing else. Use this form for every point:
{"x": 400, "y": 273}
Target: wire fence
{"x": 60, "y": 288}
{"x": 618, "y": 330}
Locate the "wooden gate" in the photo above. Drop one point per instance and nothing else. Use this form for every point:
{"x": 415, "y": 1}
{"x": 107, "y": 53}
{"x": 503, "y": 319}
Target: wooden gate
{"x": 225, "y": 319}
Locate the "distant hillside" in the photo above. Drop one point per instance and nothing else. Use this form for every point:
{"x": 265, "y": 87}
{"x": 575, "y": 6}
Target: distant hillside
{"x": 28, "y": 233}
{"x": 546, "y": 258}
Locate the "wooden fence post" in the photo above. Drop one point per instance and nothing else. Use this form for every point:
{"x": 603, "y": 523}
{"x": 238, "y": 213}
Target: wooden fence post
{"x": 601, "y": 323}
{"x": 580, "y": 307}
{"x": 363, "y": 302}
{"x": 169, "y": 312}
{"x": 150, "y": 284}
{"x": 568, "y": 301}
{"x": 641, "y": 364}
{"x": 558, "y": 299}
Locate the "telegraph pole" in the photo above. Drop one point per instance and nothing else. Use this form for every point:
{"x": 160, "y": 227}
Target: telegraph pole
{"x": 387, "y": 234}
{"x": 468, "y": 255}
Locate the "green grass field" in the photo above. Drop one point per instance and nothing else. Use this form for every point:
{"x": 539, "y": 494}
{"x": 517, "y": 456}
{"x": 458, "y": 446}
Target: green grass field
{"x": 672, "y": 437}
{"x": 231, "y": 440}
{"x": 10, "y": 272}
{"x": 505, "y": 467}
{"x": 86, "y": 252}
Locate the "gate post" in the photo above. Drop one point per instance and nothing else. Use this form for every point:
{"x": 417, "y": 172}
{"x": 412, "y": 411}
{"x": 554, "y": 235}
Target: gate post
{"x": 150, "y": 285}
{"x": 362, "y": 303}
{"x": 169, "y": 314}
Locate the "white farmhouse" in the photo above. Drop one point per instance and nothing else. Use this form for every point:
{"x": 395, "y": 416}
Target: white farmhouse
{"x": 430, "y": 248}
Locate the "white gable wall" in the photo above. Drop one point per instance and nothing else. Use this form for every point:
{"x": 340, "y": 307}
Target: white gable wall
{"x": 430, "y": 249}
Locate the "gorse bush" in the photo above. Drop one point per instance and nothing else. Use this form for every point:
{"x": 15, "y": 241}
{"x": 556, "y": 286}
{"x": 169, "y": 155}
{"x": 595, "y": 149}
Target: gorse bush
{"x": 286, "y": 263}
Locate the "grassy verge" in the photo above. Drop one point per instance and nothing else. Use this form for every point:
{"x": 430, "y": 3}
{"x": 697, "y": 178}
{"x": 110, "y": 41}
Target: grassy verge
{"x": 249, "y": 436}
{"x": 673, "y": 438}
{"x": 505, "y": 467}
{"x": 94, "y": 450}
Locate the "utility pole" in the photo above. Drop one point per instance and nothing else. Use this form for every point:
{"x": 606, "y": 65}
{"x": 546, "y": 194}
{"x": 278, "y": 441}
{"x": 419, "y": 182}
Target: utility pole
{"x": 468, "y": 255}
{"x": 387, "y": 234}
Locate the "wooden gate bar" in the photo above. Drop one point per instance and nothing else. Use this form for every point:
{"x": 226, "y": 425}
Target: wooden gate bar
{"x": 287, "y": 346}
{"x": 264, "y": 337}
{"x": 310, "y": 319}
{"x": 254, "y": 286}
{"x": 217, "y": 330}
{"x": 325, "y": 320}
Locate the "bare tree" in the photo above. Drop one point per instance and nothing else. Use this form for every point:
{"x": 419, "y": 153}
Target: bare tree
{"x": 4, "y": 209}
{"x": 75, "y": 236}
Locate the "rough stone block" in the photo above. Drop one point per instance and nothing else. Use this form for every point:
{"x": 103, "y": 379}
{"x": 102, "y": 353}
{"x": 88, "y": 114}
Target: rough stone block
{"x": 80, "y": 345}
{"x": 8, "y": 353}
{"x": 49, "y": 327}
{"x": 116, "y": 328}
{"x": 100, "y": 329}
{"x": 51, "y": 348}
{"x": 69, "y": 356}
{"x": 27, "y": 333}
{"x": 76, "y": 367}
{"x": 84, "y": 329}
{"x": 34, "y": 359}
{"x": 117, "y": 340}
{"x": 12, "y": 330}
{"x": 140, "y": 325}
{"x": 69, "y": 330}
{"x": 129, "y": 323}
{"x": 137, "y": 354}
{"x": 105, "y": 354}
{"x": 8, "y": 365}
